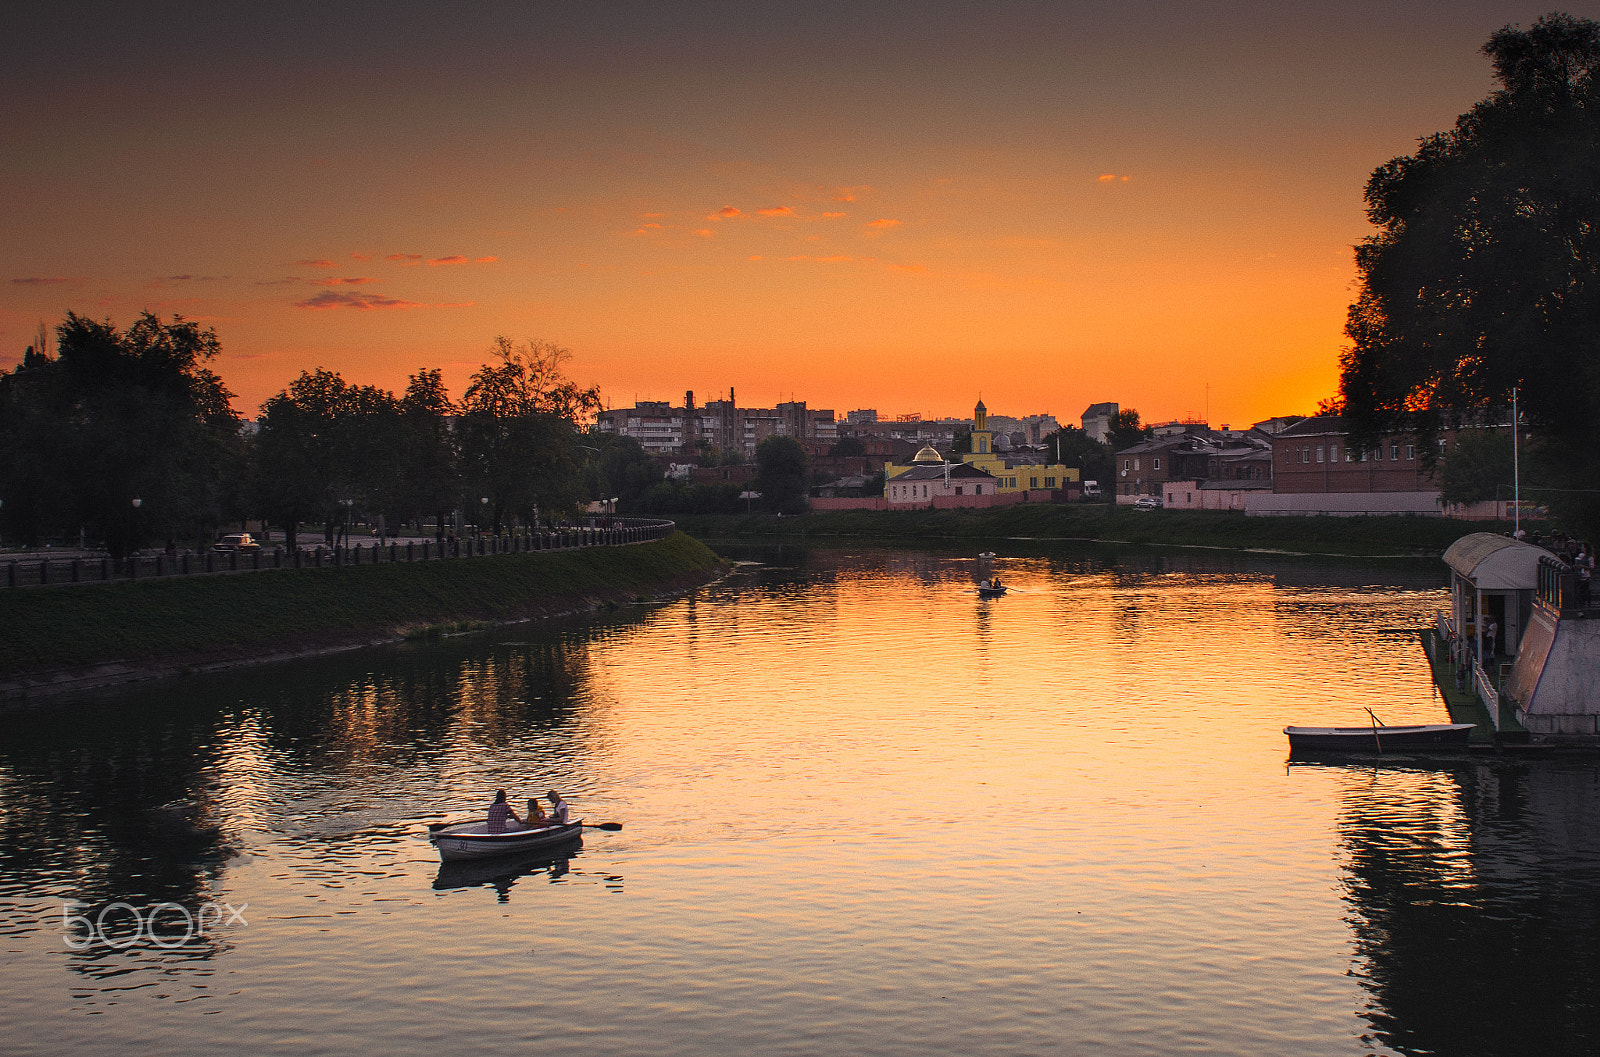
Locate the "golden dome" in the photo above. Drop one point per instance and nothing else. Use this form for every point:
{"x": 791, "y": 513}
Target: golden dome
{"x": 927, "y": 454}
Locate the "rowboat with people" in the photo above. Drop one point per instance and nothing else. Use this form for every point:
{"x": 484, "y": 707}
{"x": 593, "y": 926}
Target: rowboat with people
{"x": 472, "y": 840}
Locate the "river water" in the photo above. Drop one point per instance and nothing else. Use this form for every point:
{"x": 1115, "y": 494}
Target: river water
{"x": 865, "y": 812}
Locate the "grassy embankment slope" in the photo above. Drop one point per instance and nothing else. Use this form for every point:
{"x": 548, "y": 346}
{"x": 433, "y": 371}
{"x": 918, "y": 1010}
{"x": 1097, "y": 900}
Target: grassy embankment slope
{"x": 204, "y": 619}
{"x": 1101, "y": 522}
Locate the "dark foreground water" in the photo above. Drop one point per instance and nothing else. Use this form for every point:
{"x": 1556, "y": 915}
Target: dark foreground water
{"x": 865, "y": 813}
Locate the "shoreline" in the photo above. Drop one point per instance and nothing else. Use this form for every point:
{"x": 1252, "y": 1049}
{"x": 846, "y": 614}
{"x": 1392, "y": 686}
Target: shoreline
{"x": 404, "y": 602}
{"x": 1359, "y": 538}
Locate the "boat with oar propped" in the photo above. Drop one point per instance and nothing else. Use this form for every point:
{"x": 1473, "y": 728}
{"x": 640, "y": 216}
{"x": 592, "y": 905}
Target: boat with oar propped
{"x": 472, "y": 840}
{"x": 986, "y": 589}
{"x": 1378, "y": 737}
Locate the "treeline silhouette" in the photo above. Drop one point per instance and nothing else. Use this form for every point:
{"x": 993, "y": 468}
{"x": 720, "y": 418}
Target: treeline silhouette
{"x": 126, "y": 437}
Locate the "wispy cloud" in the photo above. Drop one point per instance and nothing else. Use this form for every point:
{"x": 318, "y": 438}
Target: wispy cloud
{"x": 832, "y": 216}
{"x": 835, "y": 259}
{"x": 361, "y": 256}
{"x": 729, "y": 211}
{"x": 165, "y": 281}
{"x": 456, "y": 258}
{"x": 705, "y": 233}
{"x": 883, "y": 224}
{"x": 287, "y": 280}
{"x": 647, "y": 229}
{"x": 355, "y": 280}
{"x": 849, "y": 194}
{"x": 317, "y": 264}
{"x": 776, "y": 211}
{"x": 46, "y": 280}
{"x": 329, "y": 299}
{"x": 1111, "y": 178}
{"x": 405, "y": 258}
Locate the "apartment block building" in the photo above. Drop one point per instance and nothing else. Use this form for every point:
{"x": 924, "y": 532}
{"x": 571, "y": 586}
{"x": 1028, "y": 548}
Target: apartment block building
{"x": 662, "y": 429}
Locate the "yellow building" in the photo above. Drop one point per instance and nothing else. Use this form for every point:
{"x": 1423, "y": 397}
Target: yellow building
{"x": 1013, "y": 473}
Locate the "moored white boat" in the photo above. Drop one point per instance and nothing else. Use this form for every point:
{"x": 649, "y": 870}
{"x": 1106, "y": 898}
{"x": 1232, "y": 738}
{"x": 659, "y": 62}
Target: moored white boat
{"x": 472, "y": 840}
{"x": 1419, "y": 737}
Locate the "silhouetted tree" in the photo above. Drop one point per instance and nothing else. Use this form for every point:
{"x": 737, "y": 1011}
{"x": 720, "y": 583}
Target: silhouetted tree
{"x": 430, "y": 483}
{"x": 1126, "y": 430}
{"x": 326, "y": 450}
{"x": 619, "y": 469}
{"x": 1484, "y": 274}
{"x": 781, "y": 477}
{"x": 117, "y": 416}
{"x": 517, "y": 435}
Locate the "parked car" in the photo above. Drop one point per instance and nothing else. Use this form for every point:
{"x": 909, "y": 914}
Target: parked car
{"x": 239, "y": 541}
{"x": 1147, "y": 502}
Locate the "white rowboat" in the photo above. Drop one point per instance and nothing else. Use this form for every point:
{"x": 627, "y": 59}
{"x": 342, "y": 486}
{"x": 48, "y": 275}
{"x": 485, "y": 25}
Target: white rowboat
{"x": 472, "y": 840}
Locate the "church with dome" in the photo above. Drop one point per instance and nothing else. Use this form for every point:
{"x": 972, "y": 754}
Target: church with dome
{"x": 982, "y": 477}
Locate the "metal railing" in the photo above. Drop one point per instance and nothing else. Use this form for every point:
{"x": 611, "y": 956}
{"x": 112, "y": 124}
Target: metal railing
{"x": 50, "y": 572}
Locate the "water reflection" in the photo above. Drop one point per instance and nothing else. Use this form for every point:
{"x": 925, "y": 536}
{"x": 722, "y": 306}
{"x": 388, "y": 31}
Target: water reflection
{"x": 504, "y": 871}
{"x": 1474, "y": 893}
{"x": 866, "y": 813}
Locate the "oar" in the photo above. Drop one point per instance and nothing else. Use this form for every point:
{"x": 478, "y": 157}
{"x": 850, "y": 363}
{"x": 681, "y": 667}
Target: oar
{"x": 612, "y": 826}
{"x": 1376, "y": 723}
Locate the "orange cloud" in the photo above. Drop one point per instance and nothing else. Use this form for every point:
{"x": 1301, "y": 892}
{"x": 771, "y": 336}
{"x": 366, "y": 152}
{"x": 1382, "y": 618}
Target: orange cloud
{"x": 821, "y": 260}
{"x": 317, "y": 264}
{"x": 647, "y": 229}
{"x": 405, "y": 258}
{"x": 883, "y": 225}
{"x": 361, "y": 256}
{"x": 728, "y": 211}
{"x": 917, "y": 269}
{"x": 831, "y": 216}
{"x": 704, "y": 233}
{"x": 1111, "y": 178}
{"x": 44, "y": 280}
{"x": 353, "y": 281}
{"x": 776, "y": 211}
{"x": 850, "y": 194}
{"x": 329, "y": 299}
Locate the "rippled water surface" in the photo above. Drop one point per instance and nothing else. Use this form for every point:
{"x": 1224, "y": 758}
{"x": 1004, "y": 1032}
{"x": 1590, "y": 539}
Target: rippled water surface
{"x": 864, "y": 812}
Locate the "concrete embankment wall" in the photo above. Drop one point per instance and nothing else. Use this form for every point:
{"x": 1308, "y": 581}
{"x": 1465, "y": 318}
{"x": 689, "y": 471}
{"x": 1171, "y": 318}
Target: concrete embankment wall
{"x": 69, "y": 637}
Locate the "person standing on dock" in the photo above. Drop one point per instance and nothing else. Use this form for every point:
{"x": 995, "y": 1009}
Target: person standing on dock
{"x": 1491, "y": 630}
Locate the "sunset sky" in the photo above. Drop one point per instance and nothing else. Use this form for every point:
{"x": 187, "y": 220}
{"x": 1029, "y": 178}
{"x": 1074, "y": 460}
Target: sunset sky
{"x": 889, "y": 205}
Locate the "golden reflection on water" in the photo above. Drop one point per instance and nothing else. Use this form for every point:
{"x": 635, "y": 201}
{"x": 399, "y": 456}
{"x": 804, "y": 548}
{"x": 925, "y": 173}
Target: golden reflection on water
{"x": 865, "y": 812}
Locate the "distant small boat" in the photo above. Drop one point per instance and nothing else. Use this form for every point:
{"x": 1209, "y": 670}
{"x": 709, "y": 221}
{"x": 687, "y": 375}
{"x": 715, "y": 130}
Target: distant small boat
{"x": 1421, "y": 737}
{"x": 987, "y": 554}
{"x": 472, "y": 840}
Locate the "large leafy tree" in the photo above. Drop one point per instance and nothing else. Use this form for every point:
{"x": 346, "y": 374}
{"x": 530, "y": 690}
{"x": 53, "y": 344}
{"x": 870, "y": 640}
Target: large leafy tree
{"x": 326, "y": 451}
{"x": 781, "y": 474}
{"x": 118, "y": 416}
{"x": 1127, "y": 430}
{"x": 429, "y": 483}
{"x": 1484, "y": 273}
{"x": 619, "y": 469}
{"x": 518, "y": 433}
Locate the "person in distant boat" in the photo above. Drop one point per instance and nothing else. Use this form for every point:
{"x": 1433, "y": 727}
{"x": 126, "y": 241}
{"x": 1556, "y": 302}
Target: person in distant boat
{"x": 558, "y": 809}
{"x": 499, "y": 812}
{"x": 535, "y": 814}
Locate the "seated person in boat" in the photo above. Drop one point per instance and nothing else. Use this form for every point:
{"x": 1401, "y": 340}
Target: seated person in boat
{"x": 499, "y": 812}
{"x": 558, "y": 809}
{"x": 536, "y": 817}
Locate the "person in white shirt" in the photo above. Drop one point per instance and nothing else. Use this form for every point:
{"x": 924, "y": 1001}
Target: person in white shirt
{"x": 558, "y": 809}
